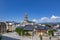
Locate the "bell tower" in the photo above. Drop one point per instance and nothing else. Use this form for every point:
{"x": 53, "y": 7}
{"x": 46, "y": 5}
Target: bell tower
{"x": 26, "y": 17}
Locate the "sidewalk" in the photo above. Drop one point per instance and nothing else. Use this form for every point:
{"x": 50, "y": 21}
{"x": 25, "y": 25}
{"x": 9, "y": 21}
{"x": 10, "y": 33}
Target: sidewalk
{"x": 15, "y": 36}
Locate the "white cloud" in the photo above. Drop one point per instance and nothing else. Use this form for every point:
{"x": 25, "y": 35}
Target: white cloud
{"x": 54, "y": 17}
{"x": 46, "y": 19}
{"x": 51, "y": 19}
{"x": 34, "y": 20}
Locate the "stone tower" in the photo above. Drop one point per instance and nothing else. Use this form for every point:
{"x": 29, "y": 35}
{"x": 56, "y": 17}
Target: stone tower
{"x": 25, "y": 17}
{"x": 26, "y": 21}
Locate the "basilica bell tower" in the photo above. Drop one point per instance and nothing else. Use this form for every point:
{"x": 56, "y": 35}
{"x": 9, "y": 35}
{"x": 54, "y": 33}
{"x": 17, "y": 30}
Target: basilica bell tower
{"x": 26, "y": 17}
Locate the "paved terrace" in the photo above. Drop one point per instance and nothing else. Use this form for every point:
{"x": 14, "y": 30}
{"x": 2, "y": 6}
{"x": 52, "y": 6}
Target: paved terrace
{"x": 15, "y": 36}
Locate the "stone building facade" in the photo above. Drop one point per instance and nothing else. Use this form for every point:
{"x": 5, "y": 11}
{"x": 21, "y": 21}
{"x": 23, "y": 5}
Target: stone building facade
{"x": 10, "y": 26}
{"x": 3, "y": 27}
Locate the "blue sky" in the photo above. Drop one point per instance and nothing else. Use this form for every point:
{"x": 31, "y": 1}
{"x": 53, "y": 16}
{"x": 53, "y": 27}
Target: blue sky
{"x": 14, "y": 10}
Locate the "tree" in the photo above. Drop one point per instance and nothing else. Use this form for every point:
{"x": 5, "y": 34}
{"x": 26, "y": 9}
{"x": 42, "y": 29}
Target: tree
{"x": 48, "y": 25}
{"x": 20, "y": 31}
{"x": 50, "y": 31}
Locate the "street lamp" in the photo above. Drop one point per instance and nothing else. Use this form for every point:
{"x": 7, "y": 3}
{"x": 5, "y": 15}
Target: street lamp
{"x": 58, "y": 35}
{"x": 40, "y": 36}
{"x": 21, "y": 35}
{"x": 50, "y": 38}
{"x": 0, "y": 36}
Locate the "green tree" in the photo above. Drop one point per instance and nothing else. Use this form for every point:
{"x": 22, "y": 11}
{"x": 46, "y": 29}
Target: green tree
{"x": 51, "y": 33}
{"x": 49, "y": 26}
{"x": 20, "y": 31}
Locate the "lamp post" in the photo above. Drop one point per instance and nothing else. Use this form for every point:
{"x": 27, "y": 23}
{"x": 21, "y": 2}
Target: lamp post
{"x": 58, "y": 35}
{"x": 21, "y": 35}
{"x": 0, "y": 36}
{"x": 50, "y": 38}
{"x": 32, "y": 35}
{"x": 40, "y": 36}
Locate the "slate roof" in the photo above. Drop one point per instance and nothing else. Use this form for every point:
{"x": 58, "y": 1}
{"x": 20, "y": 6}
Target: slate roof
{"x": 41, "y": 28}
{"x": 29, "y": 27}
